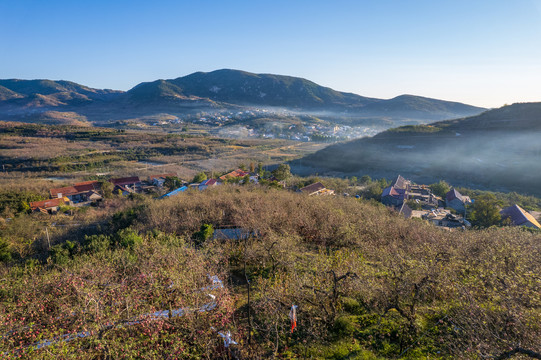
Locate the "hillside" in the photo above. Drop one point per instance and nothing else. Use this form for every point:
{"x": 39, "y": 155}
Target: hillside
{"x": 51, "y": 93}
{"x": 7, "y": 94}
{"x": 498, "y": 150}
{"x": 217, "y": 93}
{"x": 418, "y": 107}
{"x": 138, "y": 277}
{"x": 244, "y": 88}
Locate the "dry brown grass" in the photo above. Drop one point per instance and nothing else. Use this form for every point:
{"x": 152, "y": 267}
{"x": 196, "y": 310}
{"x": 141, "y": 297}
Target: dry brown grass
{"x": 358, "y": 272}
{"x": 183, "y": 155}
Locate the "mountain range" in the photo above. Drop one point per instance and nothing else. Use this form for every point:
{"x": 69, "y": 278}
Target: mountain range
{"x": 498, "y": 150}
{"x": 31, "y": 100}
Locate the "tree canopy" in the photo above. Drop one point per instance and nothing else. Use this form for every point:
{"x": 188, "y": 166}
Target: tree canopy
{"x": 282, "y": 172}
{"x": 485, "y": 211}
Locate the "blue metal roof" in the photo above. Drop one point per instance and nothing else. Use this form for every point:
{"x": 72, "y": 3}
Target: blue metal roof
{"x": 175, "y": 192}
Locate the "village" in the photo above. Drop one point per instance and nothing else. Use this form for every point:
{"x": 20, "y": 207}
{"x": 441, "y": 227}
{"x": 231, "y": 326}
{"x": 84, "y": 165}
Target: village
{"x": 91, "y": 192}
{"x": 410, "y": 200}
{"x": 242, "y": 124}
{"x": 450, "y": 212}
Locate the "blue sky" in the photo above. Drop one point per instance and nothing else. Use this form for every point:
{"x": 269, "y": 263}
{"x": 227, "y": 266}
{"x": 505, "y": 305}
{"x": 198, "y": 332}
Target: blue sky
{"x": 485, "y": 52}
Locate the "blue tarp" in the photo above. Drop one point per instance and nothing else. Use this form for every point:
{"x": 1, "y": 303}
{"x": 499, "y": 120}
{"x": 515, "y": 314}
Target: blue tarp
{"x": 174, "y": 192}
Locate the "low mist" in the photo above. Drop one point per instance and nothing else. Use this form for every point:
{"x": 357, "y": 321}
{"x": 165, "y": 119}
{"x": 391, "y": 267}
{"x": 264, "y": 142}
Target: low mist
{"x": 494, "y": 160}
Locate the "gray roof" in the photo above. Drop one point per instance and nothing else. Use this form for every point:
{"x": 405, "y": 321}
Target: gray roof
{"x": 400, "y": 183}
{"x": 519, "y": 216}
{"x": 232, "y": 234}
{"x": 453, "y": 194}
{"x": 406, "y": 211}
{"x": 312, "y": 188}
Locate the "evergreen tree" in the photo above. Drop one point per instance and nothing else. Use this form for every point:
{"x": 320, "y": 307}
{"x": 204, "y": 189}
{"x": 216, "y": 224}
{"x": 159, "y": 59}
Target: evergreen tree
{"x": 282, "y": 172}
{"x": 440, "y": 188}
{"x": 199, "y": 177}
{"x": 484, "y": 212}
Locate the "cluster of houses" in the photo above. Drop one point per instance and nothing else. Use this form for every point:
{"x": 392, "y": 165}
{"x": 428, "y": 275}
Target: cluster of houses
{"x": 228, "y": 124}
{"x": 433, "y": 208}
{"x": 89, "y": 192}
{"x": 436, "y": 209}
{"x": 402, "y": 192}
{"x": 78, "y": 194}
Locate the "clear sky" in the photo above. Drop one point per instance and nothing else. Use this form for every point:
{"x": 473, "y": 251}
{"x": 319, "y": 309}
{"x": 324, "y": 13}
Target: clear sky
{"x": 481, "y": 52}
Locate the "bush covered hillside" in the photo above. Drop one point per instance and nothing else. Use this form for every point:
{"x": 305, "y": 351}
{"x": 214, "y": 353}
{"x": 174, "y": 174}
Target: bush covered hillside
{"x": 144, "y": 278}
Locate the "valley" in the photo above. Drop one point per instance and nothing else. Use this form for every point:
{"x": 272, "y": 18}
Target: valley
{"x": 285, "y": 180}
{"x": 125, "y": 232}
{"x": 229, "y": 103}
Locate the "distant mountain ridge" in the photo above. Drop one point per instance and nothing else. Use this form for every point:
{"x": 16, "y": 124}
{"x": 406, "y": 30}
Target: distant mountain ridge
{"x": 218, "y": 89}
{"x": 48, "y": 87}
{"x": 411, "y": 105}
{"x": 244, "y": 88}
{"x": 498, "y": 149}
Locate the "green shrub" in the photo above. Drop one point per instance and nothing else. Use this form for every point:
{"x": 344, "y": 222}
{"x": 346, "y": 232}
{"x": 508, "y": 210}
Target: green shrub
{"x": 199, "y": 177}
{"x": 128, "y": 238}
{"x": 17, "y": 201}
{"x": 63, "y": 209}
{"x": 59, "y": 254}
{"x": 343, "y": 349}
{"x": 203, "y": 234}
{"x": 124, "y": 219}
{"x": 282, "y": 172}
{"x": 352, "y": 306}
{"x": 166, "y": 239}
{"x": 31, "y": 265}
{"x": 440, "y": 188}
{"x": 96, "y": 243}
{"x": 344, "y": 326}
{"x": 5, "y": 251}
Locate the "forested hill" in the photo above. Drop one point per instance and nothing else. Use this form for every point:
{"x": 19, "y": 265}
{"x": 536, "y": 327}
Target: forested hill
{"x": 499, "y": 149}
{"x": 244, "y": 88}
{"x": 53, "y": 93}
{"x": 25, "y": 100}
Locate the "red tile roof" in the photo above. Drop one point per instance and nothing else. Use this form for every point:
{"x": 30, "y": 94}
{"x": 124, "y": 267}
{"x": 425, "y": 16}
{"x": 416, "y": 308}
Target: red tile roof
{"x": 47, "y": 204}
{"x": 211, "y": 182}
{"x": 235, "y": 173}
{"x": 75, "y": 189}
{"x": 126, "y": 180}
